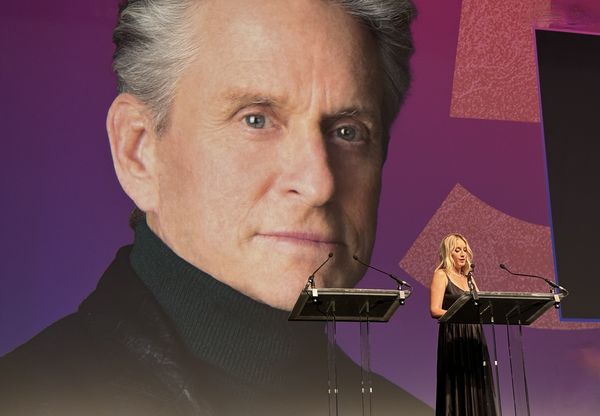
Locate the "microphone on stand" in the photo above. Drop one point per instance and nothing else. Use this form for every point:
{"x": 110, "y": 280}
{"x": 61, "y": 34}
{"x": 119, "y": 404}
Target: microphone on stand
{"x": 471, "y": 285}
{"x": 396, "y": 279}
{"x": 550, "y": 282}
{"x": 311, "y": 278}
{"x": 470, "y": 278}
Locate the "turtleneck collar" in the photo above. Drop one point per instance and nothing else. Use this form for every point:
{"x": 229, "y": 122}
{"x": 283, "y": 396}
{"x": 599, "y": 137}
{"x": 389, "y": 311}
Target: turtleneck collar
{"x": 248, "y": 340}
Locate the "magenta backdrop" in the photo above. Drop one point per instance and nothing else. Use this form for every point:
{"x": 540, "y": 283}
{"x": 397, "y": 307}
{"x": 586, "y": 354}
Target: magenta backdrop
{"x": 63, "y": 214}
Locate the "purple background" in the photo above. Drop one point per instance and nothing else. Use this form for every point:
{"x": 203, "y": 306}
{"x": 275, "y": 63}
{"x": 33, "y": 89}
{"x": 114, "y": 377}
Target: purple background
{"x": 64, "y": 215}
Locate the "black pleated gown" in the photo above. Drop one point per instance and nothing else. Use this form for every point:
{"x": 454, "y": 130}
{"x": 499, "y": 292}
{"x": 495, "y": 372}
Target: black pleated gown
{"x": 464, "y": 385}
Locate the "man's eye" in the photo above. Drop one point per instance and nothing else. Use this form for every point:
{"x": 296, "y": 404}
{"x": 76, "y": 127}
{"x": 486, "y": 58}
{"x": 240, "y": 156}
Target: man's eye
{"x": 347, "y": 133}
{"x": 256, "y": 121}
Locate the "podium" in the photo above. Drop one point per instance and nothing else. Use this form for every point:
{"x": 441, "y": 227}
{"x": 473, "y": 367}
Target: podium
{"x": 514, "y": 310}
{"x": 348, "y": 305}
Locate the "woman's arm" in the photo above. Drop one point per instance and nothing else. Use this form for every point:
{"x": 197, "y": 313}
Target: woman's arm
{"x": 438, "y": 287}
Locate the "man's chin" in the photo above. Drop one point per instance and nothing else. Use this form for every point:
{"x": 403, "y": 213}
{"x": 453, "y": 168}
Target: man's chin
{"x": 286, "y": 297}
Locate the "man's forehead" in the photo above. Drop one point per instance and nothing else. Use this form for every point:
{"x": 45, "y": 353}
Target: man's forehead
{"x": 286, "y": 55}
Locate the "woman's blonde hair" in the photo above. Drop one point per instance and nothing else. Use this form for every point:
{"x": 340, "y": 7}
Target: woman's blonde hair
{"x": 445, "y": 254}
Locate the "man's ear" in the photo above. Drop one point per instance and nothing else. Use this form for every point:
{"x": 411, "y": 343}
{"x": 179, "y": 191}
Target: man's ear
{"x": 133, "y": 147}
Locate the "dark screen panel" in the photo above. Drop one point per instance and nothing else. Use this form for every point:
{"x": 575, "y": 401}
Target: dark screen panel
{"x": 569, "y": 73}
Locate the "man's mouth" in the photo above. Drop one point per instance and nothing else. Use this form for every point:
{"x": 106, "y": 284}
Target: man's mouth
{"x": 301, "y": 239}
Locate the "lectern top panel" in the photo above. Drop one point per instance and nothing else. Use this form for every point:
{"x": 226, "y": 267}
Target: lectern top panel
{"x": 508, "y": 308}
{"x": 344, "y": 304}
{"x": 520, "y": 295}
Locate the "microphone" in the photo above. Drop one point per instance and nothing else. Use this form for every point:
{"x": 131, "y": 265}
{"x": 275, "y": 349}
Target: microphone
{"x": 396, "y": 279}
{"x": 470, "y": 277}
{"x": 550, "y": 282}
{"x": 311, "y": 278}
{"x": 471, "y": 285}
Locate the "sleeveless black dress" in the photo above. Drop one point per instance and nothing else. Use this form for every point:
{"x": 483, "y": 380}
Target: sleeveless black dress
{"x": 464, "y": 385}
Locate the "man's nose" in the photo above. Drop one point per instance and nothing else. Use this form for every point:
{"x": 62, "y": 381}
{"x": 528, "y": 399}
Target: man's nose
{"x": 307, "y": 172}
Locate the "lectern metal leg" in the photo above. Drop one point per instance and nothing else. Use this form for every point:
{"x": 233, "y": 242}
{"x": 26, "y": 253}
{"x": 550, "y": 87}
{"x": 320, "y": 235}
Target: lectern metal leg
{"x": 486, "y": 370}
{"x": 517, "y": 370}
{"x": 523, "y": 367}
{"x": 496, "y": 373}
{"x": 365, "y": 367}
{"x": 332, "y": 365}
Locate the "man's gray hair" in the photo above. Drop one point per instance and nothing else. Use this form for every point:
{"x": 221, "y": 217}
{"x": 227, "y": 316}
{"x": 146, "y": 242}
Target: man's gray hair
{"x": 154, "y": 46}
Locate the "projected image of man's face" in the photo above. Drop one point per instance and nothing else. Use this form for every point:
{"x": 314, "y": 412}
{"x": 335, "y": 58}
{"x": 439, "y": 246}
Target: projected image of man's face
{"x": 273, "y": 154}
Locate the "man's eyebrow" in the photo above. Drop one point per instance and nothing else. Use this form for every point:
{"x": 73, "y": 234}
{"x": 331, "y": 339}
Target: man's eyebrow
{"x": 240, "y": 98}
{"x": 361, "y": 113}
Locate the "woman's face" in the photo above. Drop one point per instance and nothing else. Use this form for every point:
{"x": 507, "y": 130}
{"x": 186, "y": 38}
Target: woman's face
{"x": 459, "y": 254}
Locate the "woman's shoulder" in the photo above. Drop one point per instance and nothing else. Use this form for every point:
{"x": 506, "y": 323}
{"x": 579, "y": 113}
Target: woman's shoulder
{"x": 439, "y": 274}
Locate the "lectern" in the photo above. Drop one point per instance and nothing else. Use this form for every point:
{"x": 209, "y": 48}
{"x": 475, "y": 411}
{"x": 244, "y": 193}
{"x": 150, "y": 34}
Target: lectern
{"x": 348, "y": 305}
{"x": 513, "y": 310}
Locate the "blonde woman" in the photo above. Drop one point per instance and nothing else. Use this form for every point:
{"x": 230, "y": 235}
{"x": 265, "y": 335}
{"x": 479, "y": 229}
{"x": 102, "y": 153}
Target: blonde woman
{"x": 464, "y": 383}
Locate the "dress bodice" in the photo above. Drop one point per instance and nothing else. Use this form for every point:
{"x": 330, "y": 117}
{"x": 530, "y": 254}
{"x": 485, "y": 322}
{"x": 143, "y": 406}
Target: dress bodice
{"x": 451, "y": 294}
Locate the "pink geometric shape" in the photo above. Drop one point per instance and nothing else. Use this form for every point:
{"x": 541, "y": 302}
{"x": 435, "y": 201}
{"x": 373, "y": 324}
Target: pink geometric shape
{"x": 495, "y": 71}
{"x": 495, "y": 238}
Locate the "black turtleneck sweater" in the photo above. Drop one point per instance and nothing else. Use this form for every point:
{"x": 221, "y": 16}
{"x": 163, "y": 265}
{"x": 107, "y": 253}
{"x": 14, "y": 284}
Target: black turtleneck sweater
{"x": 254, "y": 345}
{"x": 263, "y": 360}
